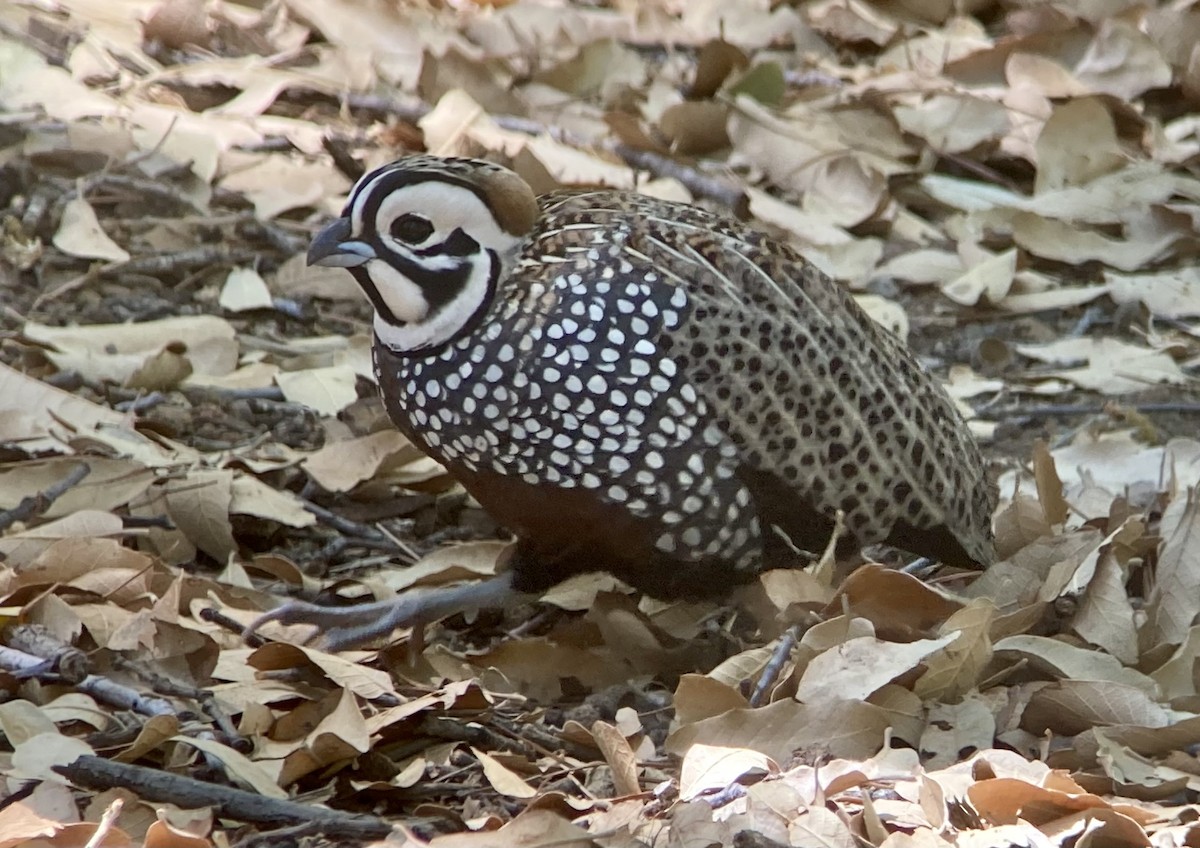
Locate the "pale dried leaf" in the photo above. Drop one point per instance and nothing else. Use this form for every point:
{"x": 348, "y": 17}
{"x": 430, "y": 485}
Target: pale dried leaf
{"x": 340, "y": 466}
{"x": 818, "y": 827}
{"x": 1077, "y": 144}
{"x": 1105, "y": 616}
{"x": 238, "y": 767}
{"x": 1175, "y": 677}
{"x": 956, "y": 729}
{"x": 1174, "y": 293}
{"x": 954, "y": 123}
{"x": 251, "y": 496}
{"x": 1113, "y": 366}
{"x": 957, "y": 670}
{"x": 990, "y": 280}
{"x": 620, "y": 758}
{"x": 29, "y": 81}
{"x": 244, "y": 290}
{"x": 37, "y": 756}
{"x": 1064, "y": 242}
{"x": 277, "y": 184}
{"x": 1068, "y": 661}
{"x": 199, "y": 506}
{"x": 325, "y": 390}
{"x": 115, "y": 352}
{"x": 855, "y": 669}
{"x": 80, "y": 234}
{"x": 1122, "y": 61}
{"x": 1174, "y": 602}
{"x": 457, "y": 125}
{"x": 843, "y": 728}
{"x": 503, "y": 779}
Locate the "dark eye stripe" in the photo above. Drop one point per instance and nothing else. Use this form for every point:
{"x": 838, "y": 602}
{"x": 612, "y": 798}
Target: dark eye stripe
{"x": 458, "y": 244}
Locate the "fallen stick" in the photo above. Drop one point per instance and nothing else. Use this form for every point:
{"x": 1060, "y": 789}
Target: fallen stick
{"x": 97, "y": 773}
{"x": 101, "y": 688}
{"x": 35, "y": 505}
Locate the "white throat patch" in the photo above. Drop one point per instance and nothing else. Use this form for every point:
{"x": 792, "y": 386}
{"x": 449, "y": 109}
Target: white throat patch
{"x": 442, "y": 325}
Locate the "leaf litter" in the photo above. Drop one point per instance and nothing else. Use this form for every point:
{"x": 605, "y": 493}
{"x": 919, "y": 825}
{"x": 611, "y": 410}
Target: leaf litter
{"x": 188, "y": 431}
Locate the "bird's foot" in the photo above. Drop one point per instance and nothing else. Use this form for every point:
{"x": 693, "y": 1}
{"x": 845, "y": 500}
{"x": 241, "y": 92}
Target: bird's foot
{"x": 340, "y": 628}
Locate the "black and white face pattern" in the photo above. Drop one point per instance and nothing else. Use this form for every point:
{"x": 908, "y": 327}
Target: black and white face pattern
{"x": 425, "y": 247}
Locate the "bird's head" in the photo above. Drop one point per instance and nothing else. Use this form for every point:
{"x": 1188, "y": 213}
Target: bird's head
{"x": 427, "y": 238}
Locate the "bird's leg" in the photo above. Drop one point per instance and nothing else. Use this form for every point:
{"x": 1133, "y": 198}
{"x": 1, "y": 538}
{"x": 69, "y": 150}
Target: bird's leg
{"x": 339, "y": 628}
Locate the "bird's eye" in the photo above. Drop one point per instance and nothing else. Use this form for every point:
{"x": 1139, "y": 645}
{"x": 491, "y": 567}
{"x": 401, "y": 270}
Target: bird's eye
{"x": 411, "y": 228}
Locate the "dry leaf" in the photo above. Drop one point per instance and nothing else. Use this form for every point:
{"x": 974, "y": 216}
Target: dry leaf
{"x": 857, "y": 668}
{"x": 326, "y": 390}
{"x": 244, "y": 290}
{"x": 707, "y": 768}
{"x": 80, "y": 234}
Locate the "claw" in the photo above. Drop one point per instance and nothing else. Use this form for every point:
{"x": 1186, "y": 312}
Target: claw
{"x": 339, "y": 628}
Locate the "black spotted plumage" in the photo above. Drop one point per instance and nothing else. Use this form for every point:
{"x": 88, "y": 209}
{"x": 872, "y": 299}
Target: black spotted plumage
{"x": 650, "y": 389}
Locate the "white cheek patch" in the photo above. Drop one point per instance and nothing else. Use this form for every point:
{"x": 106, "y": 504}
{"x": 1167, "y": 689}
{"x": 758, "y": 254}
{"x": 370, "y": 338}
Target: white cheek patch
{"x": 402, "y": 295}
{"x": 449, "y": 208}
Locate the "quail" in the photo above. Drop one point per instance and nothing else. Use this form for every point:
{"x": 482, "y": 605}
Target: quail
{"x": 638, "y": 387}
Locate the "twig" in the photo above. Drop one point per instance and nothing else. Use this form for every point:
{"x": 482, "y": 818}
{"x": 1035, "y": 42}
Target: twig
{"x": 107, "y": 820}
{"x": 723, "y": 191}
{"x": 1065, "y": 409}
{"x": 248, "y": 226}
{"x": 215, "y": 616}
{"x": 773, "y": 668}
{"x": 35, "y": 209}
{"x": 103, "y": 689}
{"x": 543, "y": 738}
{"x": 141, "y": 403}
{"x": 331, "y": 551}
{"x": 1092, "y": 315}
{"x": 412, "y": 111}
{"x": 160, "y": 191}
{"x": 280, "y": 836}
{"x": 182, "y": 260}
{"x": 726, "y": 192}
{"x": 345, "y": 525}
{"x": 811, "y": 77}
{"x": 164, "y": 685}
{"x": 754, "y": 839}
{"x": 90, "y": 772}
{"x": 142, "y": 522}
{"x": 258, "y": 393}
{"x": 162, "y": 263}
{"x": 532, "y": 623}
{"x": 322, "y": 560}
{"x": 474, "y": 734}
{"x": 35, "y": 505}
{"x": 290, "y": 308}
{"x": 100, "y": 688}
{"x": 67, "y": 661}
{"x": 980, "y": 170}
{"x": 18, "y": 792}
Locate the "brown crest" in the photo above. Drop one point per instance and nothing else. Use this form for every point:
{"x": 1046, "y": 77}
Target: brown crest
{"x": 510, "y": 198}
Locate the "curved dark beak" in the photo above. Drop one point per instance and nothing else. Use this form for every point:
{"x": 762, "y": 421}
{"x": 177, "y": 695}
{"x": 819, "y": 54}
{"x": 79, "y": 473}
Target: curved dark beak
{"x": 333, "y": 247}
